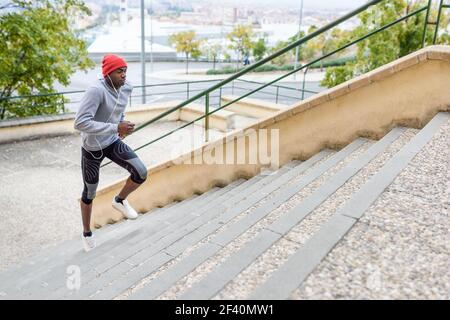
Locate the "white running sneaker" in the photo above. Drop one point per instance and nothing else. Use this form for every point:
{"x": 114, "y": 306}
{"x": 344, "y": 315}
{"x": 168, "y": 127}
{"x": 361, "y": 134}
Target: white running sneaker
{"x": 88, "y": 242}
{"x": 126, "y": 209}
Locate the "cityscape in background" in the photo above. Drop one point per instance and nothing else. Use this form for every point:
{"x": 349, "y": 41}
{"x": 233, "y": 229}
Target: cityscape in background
{"x": 115, "y": 26}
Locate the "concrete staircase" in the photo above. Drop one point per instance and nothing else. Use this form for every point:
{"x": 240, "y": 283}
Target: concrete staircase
{"x": 232, "y": 238}
{"x": 251, "y": 107}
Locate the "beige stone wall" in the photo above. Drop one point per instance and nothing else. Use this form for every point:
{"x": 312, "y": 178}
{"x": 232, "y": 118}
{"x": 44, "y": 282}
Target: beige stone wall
{"x": 407, "y": 92}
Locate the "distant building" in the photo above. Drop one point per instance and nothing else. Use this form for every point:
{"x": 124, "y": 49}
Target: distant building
{"x": 127, "y": 44}
{"x": 235, "y": 15}
{"x": 123, "y": 12}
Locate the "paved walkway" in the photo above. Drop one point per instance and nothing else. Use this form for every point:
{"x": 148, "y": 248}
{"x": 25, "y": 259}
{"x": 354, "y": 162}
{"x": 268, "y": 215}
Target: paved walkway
{"x": 200, "y": 74}
{"x": 40, "y": 182}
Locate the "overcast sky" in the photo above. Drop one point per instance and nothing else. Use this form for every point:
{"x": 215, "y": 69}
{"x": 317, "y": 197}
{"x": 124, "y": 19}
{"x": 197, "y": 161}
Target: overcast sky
{"x": 308, "y": 4}
{"x": 332, "y": 3}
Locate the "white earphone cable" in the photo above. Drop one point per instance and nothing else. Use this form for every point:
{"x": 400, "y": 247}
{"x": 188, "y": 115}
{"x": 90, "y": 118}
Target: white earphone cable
{"x": 114, "y": 109}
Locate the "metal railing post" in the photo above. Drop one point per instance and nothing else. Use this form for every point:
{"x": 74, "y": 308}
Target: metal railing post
{"x": 143, "y": 50}
{"x": 232, "y": 87}
{"x": 187, "y": 89}
{"x": 206, "y": 117}
{"x": 304, "y": 80}
{"x": 220, "y": 97}
{"x": 426, "y": 23}
{"x": 276, "y": 99}
{"x": 438, "y": 21}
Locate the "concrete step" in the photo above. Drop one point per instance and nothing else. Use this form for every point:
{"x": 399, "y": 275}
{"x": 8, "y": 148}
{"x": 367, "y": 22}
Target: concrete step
{"x": 250, "y": 107}
{"x": 237, "y": 227}
{"x": 237, "y": 121}
{"x": 168, "y": 216}
{"x": 255, "y": 102}
{"x": 33, "y": 263}
{"x": 109, "y": 231}
{"x": 297, "y": 268}
{"x": 56, "y": 273}
{"x": 159, "y": 259}
{"x": 106, "y": 240}
{"x": 143, "y": 248}
{"x": 155, "y": 251}
{"x": 164, "y": 281}
{"x": 220, "y": 276}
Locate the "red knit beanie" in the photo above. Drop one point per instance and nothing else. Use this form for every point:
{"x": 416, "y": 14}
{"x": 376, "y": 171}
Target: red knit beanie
{"x": 112, "y": 62}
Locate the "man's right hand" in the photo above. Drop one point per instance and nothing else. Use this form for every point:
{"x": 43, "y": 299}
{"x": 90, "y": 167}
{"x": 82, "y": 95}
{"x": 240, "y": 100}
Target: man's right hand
{"x": 125, "y": 128}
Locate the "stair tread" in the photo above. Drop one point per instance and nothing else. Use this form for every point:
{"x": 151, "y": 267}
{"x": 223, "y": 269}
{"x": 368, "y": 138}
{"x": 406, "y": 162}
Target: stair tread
{"x": 73, "y": 246}
{"x": 306, "y": 259}
{"x": 170, "y": 238}
{"x": 140, "y": 249}
{"x": 50, "y": 275}
{"x": 102, "y": 235}
{"x": 280, "y": 181}
{"x": 231, "y": 233}
{"x": 211, "y": 285}
{"x": 256, "y": 102}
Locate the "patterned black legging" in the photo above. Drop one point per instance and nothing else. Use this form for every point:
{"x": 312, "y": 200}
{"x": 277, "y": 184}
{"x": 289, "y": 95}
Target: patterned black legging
{"x": 117, "y": 152}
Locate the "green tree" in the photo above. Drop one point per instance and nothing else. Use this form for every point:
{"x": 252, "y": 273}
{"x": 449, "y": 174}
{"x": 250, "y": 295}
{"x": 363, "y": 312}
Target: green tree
{"x": 311, "y": 48}
{"x": 294, "y": 38}
{"x": 240, "y": 41}
{"x": 323, "y": 44}
{"x": 386, "y": 46}
{"x": 212, "y": 50}
{"x": 288, "y": 57}
{"x": 38, "y": 49}
{"x": 285, "y": 58}
{"x": 260, "y": 48}
{"x": 186, "y": 43}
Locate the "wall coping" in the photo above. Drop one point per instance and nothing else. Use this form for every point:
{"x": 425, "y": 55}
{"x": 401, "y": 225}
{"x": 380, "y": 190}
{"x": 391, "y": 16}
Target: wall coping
{"x": 36, "y": 119}
{"x": 223, "y": 114}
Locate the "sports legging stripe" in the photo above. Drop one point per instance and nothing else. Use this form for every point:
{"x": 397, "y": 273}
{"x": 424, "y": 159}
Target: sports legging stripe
{"x": 118, "y": 152}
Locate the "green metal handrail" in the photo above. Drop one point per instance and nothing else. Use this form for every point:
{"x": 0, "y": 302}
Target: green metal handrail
{"x": 167, "y": 84}
{"x": 276, "y": 94}
{"x": 82, "y": 91}
{"x": 438, "y": 21}
{"x": 207, "y": 92}
{"x": 276, "y": 54}
{"x": 40, "y": 95}
{"x": 441, "y": 6}
{"x": 281, "y": 87}
{"x": 207, "y": 114}
{"x": 262, "y": 61}
{"x": 427, "y": 22}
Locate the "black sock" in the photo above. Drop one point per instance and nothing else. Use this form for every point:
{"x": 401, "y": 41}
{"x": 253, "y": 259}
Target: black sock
{"x": 87, "y": 234}
{"x": 119, "y": 199}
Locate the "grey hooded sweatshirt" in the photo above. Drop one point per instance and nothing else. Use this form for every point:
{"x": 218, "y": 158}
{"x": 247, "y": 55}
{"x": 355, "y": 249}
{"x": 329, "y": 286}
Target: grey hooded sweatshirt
{"x": 99, "y": 114}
